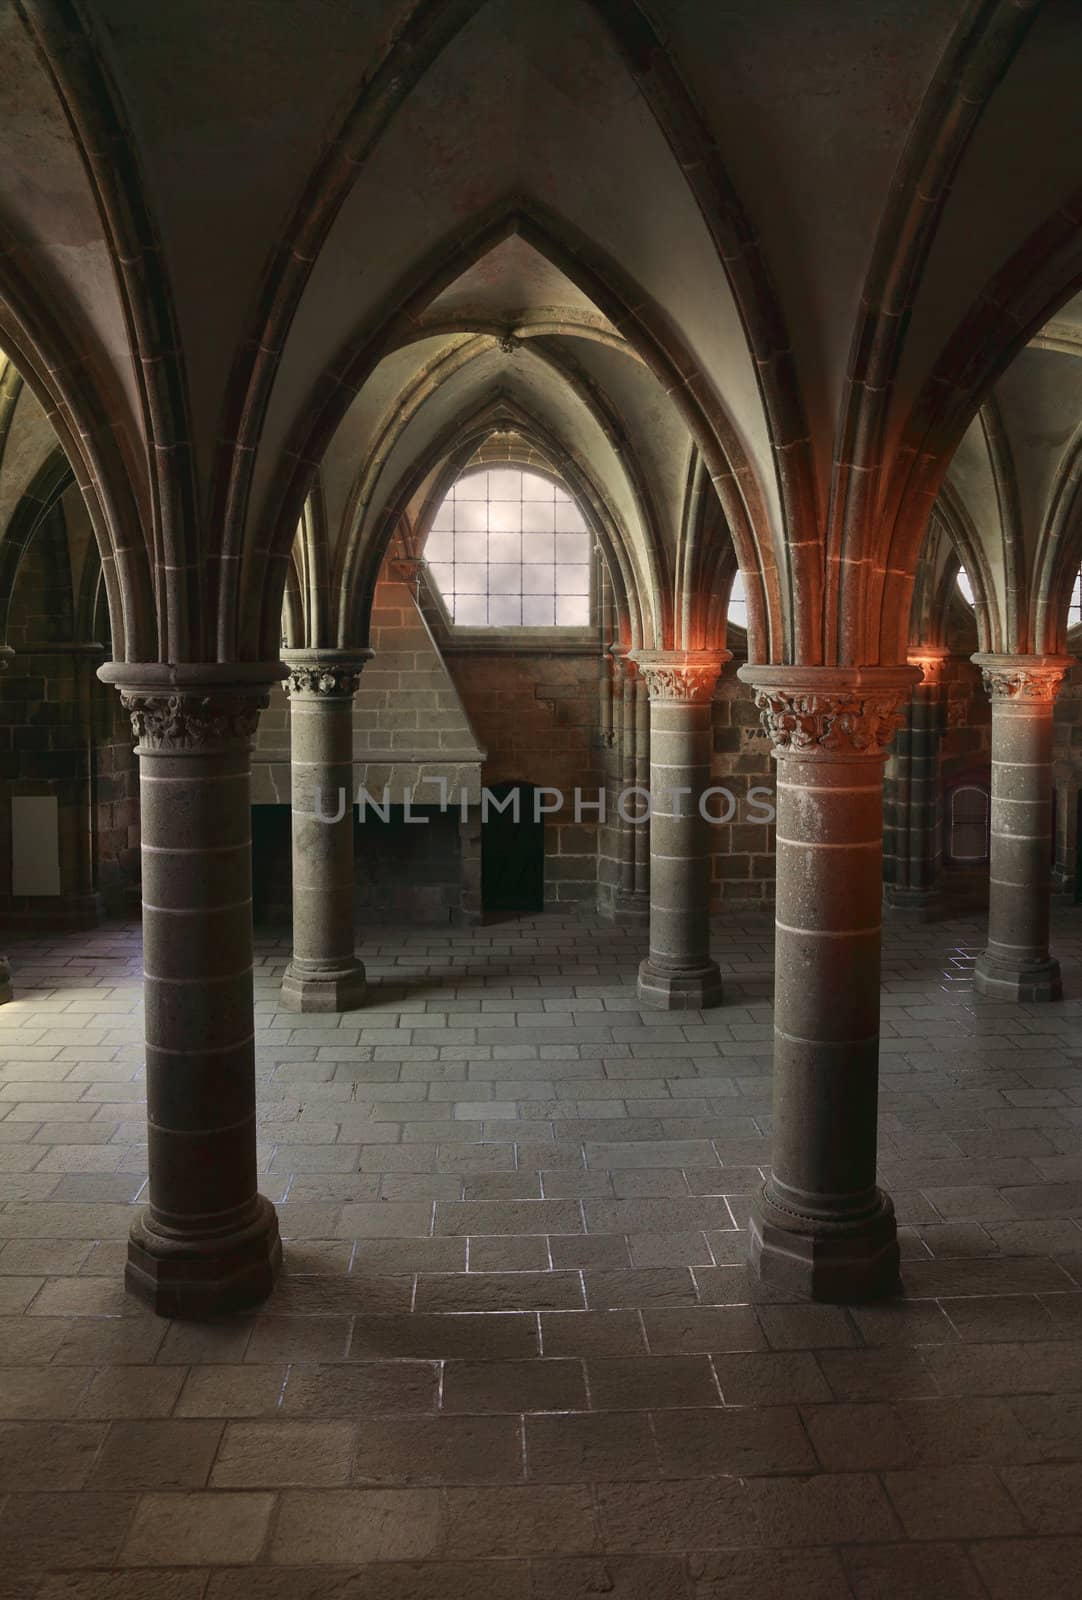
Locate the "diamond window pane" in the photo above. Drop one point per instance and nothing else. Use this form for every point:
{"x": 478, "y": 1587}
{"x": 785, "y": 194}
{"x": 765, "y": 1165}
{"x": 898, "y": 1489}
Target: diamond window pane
{"x": 510, "y": 549}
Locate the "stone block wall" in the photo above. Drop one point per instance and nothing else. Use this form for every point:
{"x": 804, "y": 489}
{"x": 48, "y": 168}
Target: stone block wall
{"x": 63, "y": 733}
{"x": 743, "y": 861}
{"x": 536, "y": 712}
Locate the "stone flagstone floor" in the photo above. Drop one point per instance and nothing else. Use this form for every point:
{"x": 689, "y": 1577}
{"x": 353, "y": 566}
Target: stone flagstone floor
{"x": 516, "y": 1354}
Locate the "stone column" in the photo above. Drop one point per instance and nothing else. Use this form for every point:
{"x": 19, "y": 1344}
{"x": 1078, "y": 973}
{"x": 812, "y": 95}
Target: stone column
{"x": 324, "y": 973}
{"x": 912, "y": 845}
{"x": 679, "y": 974}
{"x": 822, "y": 1228}
{"x": 7, "y": 654}
{"x": 1017, "y": 964}
{"x": 208, "y": 1241}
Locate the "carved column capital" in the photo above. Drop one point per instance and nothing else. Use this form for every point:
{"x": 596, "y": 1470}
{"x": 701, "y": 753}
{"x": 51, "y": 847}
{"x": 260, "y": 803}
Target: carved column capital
{"x": 7, "y": 656}
{"x": 831, "y": 711}
{"x": 1023, "y": 678}
{"x": 686, "y": 677}
{"x": 324, "y": 674}
{"x": 932, "y": 664}
{"x": 192, "y": 708}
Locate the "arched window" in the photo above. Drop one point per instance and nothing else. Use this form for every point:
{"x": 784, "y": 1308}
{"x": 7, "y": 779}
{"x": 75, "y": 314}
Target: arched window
{"x": 510, "y": 549}
{"x": 967, "y": 833}
{"x": 1074, "y": 610}
{"x": 738, "y": 603}
{"x": 964, "y": 585}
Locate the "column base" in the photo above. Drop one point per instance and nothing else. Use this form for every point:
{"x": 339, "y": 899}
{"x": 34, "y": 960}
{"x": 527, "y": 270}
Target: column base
{"x": 321, "y": 989}
{"x": 915, "y": 905}
{"x": 204, "y": 1277}
{"x": 628, "y": 910}
{"x": 816, "y": 1260}
{"x": 692, "y": 989}
{"x": 997, "y": 979}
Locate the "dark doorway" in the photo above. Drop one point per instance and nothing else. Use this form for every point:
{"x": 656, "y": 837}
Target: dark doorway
{"x": 512, "y": 850}
{"x": 272, "y": 865}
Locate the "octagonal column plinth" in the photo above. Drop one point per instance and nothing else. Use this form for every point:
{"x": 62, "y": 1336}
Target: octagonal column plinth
{"x": 324, "y": 973}
{"x": 207, "y": 1241}
{"x": 822, "y": 1228}
{"x": 679, "y": 974}
{"x": 1017, "y": 964}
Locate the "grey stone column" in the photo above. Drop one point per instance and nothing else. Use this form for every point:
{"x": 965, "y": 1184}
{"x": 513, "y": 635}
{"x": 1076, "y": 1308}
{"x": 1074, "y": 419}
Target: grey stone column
{"x": 679, "y": 974}
{"x": 324, "y": 973}
{"x": 911, "y": 842}
{"x": 822, "y": 1228}
{"x": 208, "y": 1241}
{"x": 6, "y": 655}
{"x": 1017, "y": 964}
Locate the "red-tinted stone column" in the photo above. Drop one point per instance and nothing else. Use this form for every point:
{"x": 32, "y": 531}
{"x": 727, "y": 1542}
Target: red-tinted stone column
{"x": 679, "y": 974}
{"x": 1017, "y": 964}
{"x": 208, "y": 1241}
{"x": 822, "y": 1227}
{"x": 324, "y": 973}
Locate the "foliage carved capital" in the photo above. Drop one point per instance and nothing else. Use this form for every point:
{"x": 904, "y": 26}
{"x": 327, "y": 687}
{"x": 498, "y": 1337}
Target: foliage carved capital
{"x": 1023, "y": 678}
{"x": 831, "y": 711}
{"x": 686, "y": 678}
{"x": 190, "y": 720}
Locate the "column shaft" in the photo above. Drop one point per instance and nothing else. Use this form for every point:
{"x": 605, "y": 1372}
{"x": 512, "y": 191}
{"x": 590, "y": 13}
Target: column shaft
{"x": 324, "y": 973}
{"x": 1017, "y": 964}
{"x": 207, "y": 1241}
{"x": 822, "y": 1227}
{"x": 678, "y": 973}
